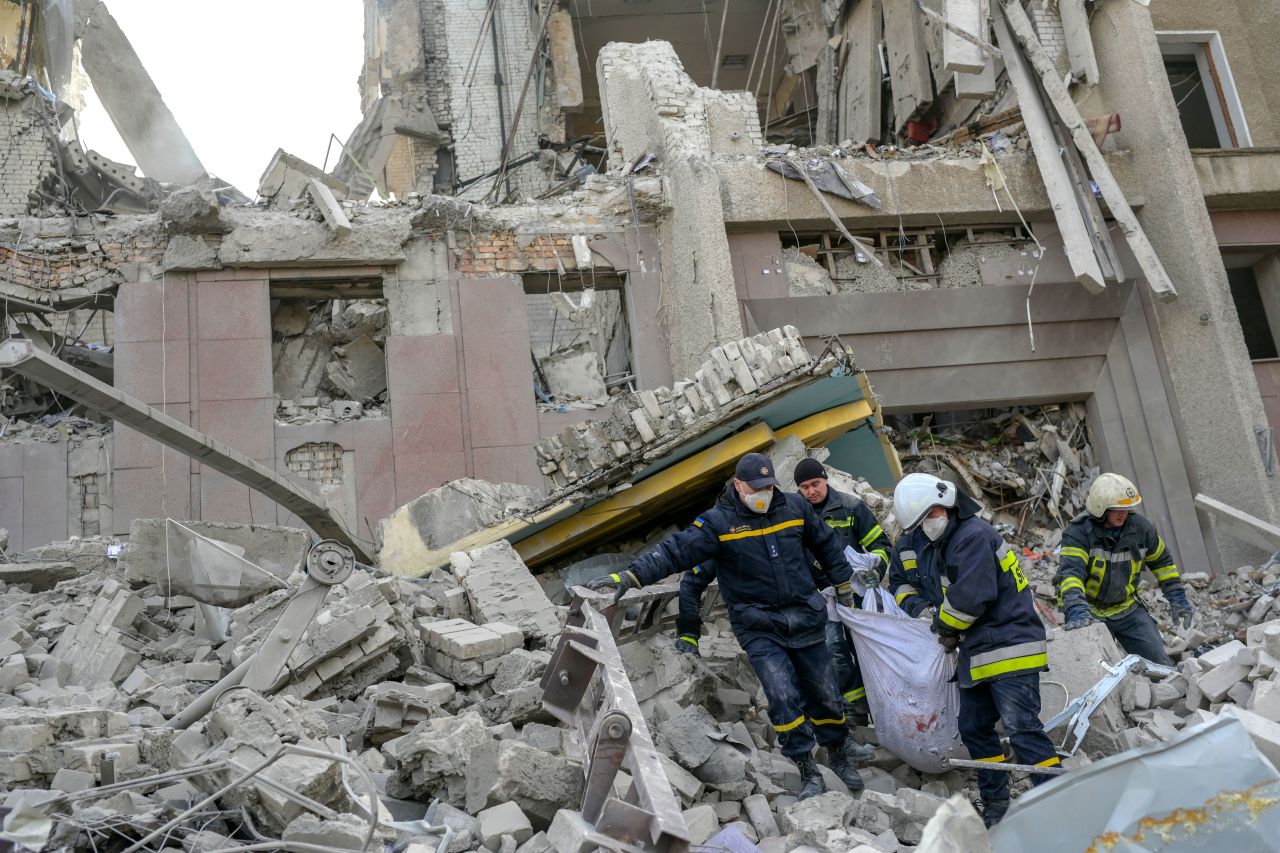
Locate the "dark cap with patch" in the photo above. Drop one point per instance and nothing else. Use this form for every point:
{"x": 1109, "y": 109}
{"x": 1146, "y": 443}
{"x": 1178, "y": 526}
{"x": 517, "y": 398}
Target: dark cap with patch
{"x": 756, "y": 471}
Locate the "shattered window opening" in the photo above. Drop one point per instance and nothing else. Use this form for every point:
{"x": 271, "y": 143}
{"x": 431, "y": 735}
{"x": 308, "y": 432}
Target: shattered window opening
{"x": 823, "y": 262}
{"x": 328, "y": 355}
{"x": 580, "y": 339}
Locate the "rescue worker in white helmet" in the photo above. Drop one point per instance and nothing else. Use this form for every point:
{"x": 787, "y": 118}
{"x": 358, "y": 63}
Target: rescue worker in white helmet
{"x": 1104, "y": 550}
{"x": 952, "y": 565}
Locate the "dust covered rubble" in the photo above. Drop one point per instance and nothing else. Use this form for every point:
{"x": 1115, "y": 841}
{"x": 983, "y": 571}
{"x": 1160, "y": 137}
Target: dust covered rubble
{"x": 431, "y": 687}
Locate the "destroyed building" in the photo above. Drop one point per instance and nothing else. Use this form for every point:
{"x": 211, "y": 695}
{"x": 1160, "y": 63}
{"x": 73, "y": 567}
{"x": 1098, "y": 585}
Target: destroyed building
{"x": 592, "y": 251}
{"x": 596, "y": 211}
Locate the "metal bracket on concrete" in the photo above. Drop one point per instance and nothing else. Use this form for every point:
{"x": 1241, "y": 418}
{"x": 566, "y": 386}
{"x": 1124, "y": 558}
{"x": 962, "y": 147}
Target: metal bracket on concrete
{"x": 23, "y": 358}
{"x": 645, "y": 612}
{"x": 329, "y": 563}
{"x": 1078, "y": 711}
{"x": 586, "y": 687}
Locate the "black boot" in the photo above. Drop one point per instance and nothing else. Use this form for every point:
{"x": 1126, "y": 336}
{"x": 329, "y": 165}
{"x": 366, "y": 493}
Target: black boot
{"x": 993, "y": 811}
{"x": 811, "y": 784}
{"x": 841, "y": 763}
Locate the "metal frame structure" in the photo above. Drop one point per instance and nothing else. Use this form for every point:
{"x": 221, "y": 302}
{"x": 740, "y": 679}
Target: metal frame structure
{"x": 1076, "y": 714}
{"x": 644, "y": 612}
{"x": 23, "y": 358}
{"x": 586, "y": 687}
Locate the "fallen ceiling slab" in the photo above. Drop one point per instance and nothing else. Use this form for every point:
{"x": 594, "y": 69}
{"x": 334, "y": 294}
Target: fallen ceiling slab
{"x": 23, "y": 358}
{"x": 132, "y": 100}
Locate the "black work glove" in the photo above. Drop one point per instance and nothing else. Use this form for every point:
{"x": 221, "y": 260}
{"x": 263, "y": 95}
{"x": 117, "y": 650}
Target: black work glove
{"x": 622, "y": 581}
{"x": 1180, "y": 608}
{"x": 1076, "y": 611}
{"x": 687, "y": 644}
{"x": 948, "y": 637}
{"x": 844, "y": 593}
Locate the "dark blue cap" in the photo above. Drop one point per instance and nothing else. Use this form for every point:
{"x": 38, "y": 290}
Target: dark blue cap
{"x": 756, "y": 471}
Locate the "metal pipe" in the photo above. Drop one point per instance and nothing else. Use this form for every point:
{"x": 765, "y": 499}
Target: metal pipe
{"x": 1005, "y": 767}
{"x": 497, "y": 82}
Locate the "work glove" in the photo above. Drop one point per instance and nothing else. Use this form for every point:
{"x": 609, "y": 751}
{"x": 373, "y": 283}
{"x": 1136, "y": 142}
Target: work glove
{"x": 686, "y": 644}
{"x": 1180, "y": 609}
{"x": 948, "y": 637}
{"x": 867, "y": 577}
{"x": 844, "y": 594}
{"x": 622, "y": 581}
{"x": 1076, "y": 611}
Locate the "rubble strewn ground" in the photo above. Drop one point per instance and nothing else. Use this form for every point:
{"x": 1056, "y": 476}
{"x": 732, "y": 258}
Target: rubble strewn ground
{"x": 430, "y": 687}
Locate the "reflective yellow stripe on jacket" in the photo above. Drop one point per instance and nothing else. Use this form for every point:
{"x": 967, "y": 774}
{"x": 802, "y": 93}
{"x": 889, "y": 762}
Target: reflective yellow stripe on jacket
{"x": 795, "y": 522}
{"x": 1024, "y": 657}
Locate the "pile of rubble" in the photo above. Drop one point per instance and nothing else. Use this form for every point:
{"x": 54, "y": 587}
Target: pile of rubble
{"x": 410, "y": 711}
{"x": 600, "y": 451}
{"x": 328, "y": 358}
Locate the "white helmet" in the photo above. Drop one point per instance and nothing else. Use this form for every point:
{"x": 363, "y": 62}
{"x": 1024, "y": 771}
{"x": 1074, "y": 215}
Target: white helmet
{"x": 1111, "y": 491}
{"x": 915, "y": 494}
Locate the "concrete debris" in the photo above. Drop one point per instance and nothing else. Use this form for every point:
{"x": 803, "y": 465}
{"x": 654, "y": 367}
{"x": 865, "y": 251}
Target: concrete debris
{"x": 427, "y": 527}
{"x": 600, "y": 452}
{"x": 501, "y": 588}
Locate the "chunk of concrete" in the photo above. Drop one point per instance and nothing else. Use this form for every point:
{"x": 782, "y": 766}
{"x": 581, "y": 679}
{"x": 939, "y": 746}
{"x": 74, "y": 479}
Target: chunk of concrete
{"x": 345, "y": 832}
{"x": 760, "y": 813}
{"x": 570, "y": 833}
{"x": 274, "y": 549}
{"x": 808, "y": 821}
{"x": 359, "y": 369}
{"x": 508, "y": 770}
{"x": 1217, "y": 682}
{"x": 1265, "y": 700}
{"x": 192, "y": 210}
{"x": 1221, "y": 654}
{"x": 502, "y": 589}
{"x": 1075, "y": 656}
{"x": 417, "y": 537}
{"x": 702, "y": 823}
{"x": 503, "y": 819}
{"x": 1265, "y": 733}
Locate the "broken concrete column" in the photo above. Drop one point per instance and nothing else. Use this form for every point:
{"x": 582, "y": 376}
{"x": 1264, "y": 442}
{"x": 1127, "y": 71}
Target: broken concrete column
{"x": 502, "y": 589}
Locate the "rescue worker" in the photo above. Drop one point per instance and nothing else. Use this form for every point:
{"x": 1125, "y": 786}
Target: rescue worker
{"x": 857, "y": 527}
{"x": 1104, "y": 550}
{"x": 758, "y": 536}
{"x": 954, "y": 568}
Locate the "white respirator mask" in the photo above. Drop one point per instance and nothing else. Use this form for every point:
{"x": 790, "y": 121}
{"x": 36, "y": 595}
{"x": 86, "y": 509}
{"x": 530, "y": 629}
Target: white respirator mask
{"x": 935, "y": 527}
{"x": 758, "y": 501}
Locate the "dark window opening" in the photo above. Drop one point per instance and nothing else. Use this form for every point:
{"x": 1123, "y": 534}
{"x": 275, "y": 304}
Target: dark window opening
{"x": 1252, "y": 313}
{"x": 1191, "y": 93}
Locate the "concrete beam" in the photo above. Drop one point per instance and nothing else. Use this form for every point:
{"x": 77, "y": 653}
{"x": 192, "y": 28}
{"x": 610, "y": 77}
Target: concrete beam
{"x": 1053, "y": 168}
{"x": 23, "y": 358}
{"x": 1239, "y": 178}
{"x": 961, "y": 55}
{"x": 132, "y": 100}
{"x": 564, "y": 61}
{"x": 334, "y": 216}
{"x": 1240, "y": 524}
{"x": 1075, "y": 22}
{"x": 922, "y": 190}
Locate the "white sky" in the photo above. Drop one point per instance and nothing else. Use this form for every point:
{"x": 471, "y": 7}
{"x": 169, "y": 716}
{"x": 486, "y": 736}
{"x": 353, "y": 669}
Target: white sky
{"x": 243, "y": 78}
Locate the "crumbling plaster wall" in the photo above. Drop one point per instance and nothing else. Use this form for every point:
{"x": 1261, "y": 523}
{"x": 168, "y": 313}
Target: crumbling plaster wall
{"x": 1250, "y": 33}
{"x": 651, "y": 105}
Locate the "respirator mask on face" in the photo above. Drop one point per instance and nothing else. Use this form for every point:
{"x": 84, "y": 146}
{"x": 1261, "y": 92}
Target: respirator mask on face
{"x": 757, "y": 501}
{"x": 934, "y": 527}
